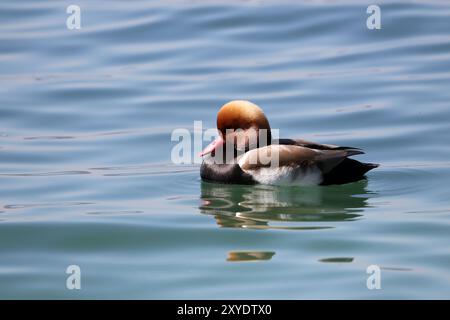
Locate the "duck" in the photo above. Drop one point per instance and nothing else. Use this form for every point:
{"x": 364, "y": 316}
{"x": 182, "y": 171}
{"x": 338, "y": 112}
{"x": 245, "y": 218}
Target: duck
{"x": 245, "y": 153}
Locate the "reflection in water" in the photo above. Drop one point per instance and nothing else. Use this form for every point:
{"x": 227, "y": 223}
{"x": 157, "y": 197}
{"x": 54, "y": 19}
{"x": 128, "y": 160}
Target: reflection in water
{"x": 282, "y": 207}
{"x": 240, "y": 256}
{"x": 337, "y": 260}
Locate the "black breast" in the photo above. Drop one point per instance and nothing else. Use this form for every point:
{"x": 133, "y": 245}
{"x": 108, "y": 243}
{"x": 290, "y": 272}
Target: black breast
{"x": 225, "y": 173}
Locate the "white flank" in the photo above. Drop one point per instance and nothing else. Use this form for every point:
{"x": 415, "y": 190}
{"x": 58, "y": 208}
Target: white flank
{"x": 287, "y": 175}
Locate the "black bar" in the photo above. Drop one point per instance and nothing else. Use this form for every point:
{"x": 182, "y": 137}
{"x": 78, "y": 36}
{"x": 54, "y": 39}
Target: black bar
{"x": 227, "y": 309}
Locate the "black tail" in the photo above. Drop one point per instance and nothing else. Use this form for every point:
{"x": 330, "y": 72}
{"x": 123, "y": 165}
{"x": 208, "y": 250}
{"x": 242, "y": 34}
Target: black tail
{"x": 349, "y": 170}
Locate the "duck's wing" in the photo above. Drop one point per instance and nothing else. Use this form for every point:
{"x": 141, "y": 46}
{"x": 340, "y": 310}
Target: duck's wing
{"x": 312, "y": 145}
{"x": 294, "y": 156}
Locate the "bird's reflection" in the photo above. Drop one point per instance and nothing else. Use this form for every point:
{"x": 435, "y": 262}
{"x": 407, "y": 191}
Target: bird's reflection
{"x": 248, "y": 256}
{"x": 278, "y": 207}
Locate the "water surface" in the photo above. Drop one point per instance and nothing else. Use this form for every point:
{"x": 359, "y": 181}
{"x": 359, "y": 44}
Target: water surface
{"x": 86, "y": 177}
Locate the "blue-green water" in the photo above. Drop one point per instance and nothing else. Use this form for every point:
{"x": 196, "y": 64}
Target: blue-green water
{"x": 86, "y": 178}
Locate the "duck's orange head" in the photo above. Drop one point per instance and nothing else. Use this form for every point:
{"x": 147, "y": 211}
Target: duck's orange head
{"x": 243, "y": 124}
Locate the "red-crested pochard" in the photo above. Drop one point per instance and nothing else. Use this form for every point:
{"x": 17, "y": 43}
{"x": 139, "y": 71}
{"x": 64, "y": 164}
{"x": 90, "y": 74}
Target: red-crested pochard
{"x": 244, "y": 153}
